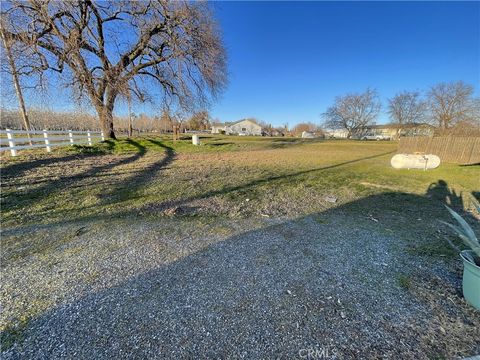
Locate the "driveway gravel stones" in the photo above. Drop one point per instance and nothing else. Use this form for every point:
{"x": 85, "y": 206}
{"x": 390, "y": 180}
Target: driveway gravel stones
{"x": 266, "y": 288}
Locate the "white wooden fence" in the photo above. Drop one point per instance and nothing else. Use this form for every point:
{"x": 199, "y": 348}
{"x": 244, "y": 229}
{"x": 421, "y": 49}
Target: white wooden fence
{"x": 18, "y": 139}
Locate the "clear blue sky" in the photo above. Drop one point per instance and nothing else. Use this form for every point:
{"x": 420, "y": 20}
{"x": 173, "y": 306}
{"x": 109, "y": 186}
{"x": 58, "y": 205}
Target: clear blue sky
{"x": 288, "y": 60}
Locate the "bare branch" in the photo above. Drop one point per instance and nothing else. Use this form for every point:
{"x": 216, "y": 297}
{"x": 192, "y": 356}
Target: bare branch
{"x": 105, "y": 46}
{"x": 353, "y": 112}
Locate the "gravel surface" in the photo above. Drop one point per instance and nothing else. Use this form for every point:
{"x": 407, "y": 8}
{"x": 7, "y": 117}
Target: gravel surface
{"x": 180, "y": 287}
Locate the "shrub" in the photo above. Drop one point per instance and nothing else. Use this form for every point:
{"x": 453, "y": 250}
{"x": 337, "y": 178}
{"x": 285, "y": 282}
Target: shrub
{"x": 465, "y": 232}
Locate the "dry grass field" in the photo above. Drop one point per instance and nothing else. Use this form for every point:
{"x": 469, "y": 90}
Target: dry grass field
{"x": 268, "y": 244}
{"x": 279, "y": 177}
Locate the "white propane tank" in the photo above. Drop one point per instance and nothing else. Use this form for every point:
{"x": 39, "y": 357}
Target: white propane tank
{"x": 195, "y": 140}
{"x": 414, "y": 161}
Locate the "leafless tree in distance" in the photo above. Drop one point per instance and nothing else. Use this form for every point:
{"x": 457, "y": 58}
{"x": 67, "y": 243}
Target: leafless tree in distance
{"x": 306, "y": 126}
{"x": 452, "y": 103}
{"x": 353, "y": 112}
{"x": 406, "y": 108}
{"x": 199, "y": 121}
{"x": 174, "y": 48}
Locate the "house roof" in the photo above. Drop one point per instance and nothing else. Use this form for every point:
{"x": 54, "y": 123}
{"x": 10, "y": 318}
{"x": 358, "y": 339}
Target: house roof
{"x": 230, "y": 123}
{"x": 239, "y": 121}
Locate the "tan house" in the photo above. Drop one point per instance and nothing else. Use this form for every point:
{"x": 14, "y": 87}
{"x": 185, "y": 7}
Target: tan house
{"x": 242, "y": 127}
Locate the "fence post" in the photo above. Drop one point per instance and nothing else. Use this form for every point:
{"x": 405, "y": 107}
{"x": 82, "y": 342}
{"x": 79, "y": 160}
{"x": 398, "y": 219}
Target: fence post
{"x": 47, "y": 142}
{"x": 103, "y": 136}
{"x": 70, "y": 136}
{"x": 89, "y": 138}
{"x": 11, "y": 143}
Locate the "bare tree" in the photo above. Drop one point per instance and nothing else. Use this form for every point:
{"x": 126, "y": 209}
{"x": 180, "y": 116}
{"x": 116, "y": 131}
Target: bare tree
{"x": 106, "y": 46}
{"x": 452, "y": 103}
{"x": 17, "y": 62}
{"x": 165, "y": 121}
{"x": 16, "y": 82}
{"x": 353, "y": 112}
{"x": 47, "y": 119}
{"x": 267, "y": 128}
{"x": 406, "y": 108}
{"x": 308, "y": 126}
{"x": 199, "y": 121}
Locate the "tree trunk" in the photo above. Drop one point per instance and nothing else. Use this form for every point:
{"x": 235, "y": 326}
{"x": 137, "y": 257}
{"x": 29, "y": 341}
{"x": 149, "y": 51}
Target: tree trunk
{"x": 105, "y": 115}
{"x": 16, "y": 83}
{"x": 398, "y": 132}
{"x": 130, "y": 126}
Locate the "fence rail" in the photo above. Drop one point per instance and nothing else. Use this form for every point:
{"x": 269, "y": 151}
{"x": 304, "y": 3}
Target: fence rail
{"x": 461, "y": 150}
{"x": 19, "y": 140}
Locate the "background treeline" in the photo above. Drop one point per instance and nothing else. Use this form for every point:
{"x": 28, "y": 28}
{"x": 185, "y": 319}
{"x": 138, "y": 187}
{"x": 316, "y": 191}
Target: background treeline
{"x": 450, "y": 108}
{"x": 79, "y": 120}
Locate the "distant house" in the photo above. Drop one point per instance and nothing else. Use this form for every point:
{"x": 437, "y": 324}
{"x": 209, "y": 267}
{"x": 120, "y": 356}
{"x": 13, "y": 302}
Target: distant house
{"x": 242, "y": 127}
{"x": 384, "y": 131}
{"x": 336, "y": 133}
{"x": 393, "y": 131}
{"x": 308, "y": 135}
{"x": 218, "y": 128}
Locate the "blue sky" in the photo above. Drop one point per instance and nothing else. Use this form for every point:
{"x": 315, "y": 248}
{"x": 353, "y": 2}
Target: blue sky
{"x": 288, "y": 60}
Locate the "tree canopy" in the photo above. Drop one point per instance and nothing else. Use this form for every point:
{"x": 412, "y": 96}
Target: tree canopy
{"x": 106, "y": 49}
{"x": 353, "y": 111}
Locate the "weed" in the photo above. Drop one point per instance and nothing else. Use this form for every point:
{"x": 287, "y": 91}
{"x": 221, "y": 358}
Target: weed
{"x": 12, "y": 334}
{"x": 404, "y": 281}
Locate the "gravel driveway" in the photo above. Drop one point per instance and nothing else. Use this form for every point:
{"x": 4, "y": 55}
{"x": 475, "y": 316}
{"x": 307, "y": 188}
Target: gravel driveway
{"x": 322, "y": 285}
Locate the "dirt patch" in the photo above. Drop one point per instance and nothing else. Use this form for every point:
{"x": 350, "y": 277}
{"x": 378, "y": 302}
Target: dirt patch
{"x": 454, "y": 328}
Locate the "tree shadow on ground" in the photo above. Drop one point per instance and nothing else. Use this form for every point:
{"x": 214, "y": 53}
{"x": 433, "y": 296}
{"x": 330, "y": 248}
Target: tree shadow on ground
{"x": 146, "y": 176}
{"x": 17, "y": 169}
{"x": 140, "y": 179}
{"x": 223, "y": 143}
{"x": 287, "y": 140}
{"x": 476, "y": 195}
{"x": 28, "y": 197}
{"x": 329, "y": 280}
{"x": 291, "y": 142}
{"x": 264, "y": 180}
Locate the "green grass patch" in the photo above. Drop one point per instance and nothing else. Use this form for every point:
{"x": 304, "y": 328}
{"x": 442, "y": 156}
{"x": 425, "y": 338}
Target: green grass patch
{"x": 13, "y": 334}
{"x": 436, "y": 248}
{"x": 404, "y": 281}
{"x": 279, "y": 176}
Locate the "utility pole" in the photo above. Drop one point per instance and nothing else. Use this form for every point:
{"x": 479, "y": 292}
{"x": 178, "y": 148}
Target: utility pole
{"x": 16, "y": 82}
{"x": 130, "y": 126}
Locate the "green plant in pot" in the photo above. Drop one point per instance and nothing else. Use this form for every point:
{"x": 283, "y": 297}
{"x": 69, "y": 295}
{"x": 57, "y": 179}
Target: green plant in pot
{"x": 471, "y": 258}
